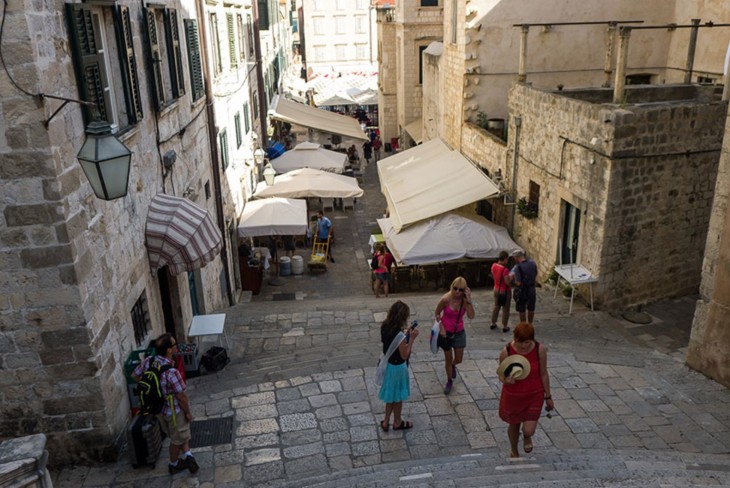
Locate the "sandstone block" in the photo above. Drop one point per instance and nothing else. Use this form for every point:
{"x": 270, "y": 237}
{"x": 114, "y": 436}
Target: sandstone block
{"x": 44, "y": 213}
{"x": 51, "y": 189}
{"x": 26, "y": 164}
{"x": 54, "y": 338}
{"x": 44, "y": 257}
{"x": 56, "y": 356}
{"x": 64, "y": 406}
{"x": 14, "y": 238}
{"x": 47, "y": 317}
{"x": 69, "y": 372}
{"x": 22, "y": 360}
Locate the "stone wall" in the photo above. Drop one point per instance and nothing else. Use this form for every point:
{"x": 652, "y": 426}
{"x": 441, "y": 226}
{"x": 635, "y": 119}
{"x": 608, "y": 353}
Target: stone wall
{"x": 387, "y": 78}
{"x": 710, "y": 338}
{"x": 641, "y": 177}
{"x": 71, "y": 265}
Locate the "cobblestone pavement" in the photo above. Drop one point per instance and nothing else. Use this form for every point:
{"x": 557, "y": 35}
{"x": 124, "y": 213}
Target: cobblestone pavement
{"x": 305, "y": 411}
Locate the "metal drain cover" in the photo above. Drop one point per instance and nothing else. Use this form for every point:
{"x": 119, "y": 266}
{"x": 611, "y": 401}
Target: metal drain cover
{"x": 211, "y": 432}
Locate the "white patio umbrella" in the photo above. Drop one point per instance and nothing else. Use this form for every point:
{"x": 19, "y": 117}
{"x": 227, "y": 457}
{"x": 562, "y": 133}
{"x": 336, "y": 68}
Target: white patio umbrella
{"x": 273, "y": 217}
{"x": 310, "y": 155}
{"x": 308, "y": 182}
{"x": 445, "y": 237}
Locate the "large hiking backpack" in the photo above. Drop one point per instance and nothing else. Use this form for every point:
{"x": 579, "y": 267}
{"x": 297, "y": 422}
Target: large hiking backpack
{"x": 151, "y": 398}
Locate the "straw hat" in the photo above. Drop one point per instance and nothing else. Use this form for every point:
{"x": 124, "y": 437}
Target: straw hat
{"x": 515, "y": 366}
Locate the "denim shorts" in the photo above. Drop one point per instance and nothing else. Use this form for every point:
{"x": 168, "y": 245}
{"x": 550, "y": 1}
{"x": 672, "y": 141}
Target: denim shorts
{"x": 457, "y": 341}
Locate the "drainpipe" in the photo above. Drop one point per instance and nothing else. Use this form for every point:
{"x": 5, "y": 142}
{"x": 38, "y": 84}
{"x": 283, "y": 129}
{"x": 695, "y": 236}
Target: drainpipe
{"x": 213, "y": 143}
{"x": 691, "y": 51}
{"x": 726, "y": 88}
{"x": 608, "y": 62}
{"x": 515, "y": 157}
{"x": 522, "y": 70}
{"x": 624, "y": 34}
{"x": 260, "y": 75}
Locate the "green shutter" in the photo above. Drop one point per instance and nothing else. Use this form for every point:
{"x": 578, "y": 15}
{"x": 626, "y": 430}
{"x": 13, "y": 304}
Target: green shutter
{"x": 231, "y": 41}
{"x": 196, "y": 70}
{"x": 223, "y": 138}
{"x": 246, "y": 118}
{"x": 174, "y": 54}
{"x": 263, "y": 11}
{"x": 123, "y": 27}
{"x": 242, "y": 47}
{"x": 158, "y": 86}
{"x": 87, "y": 61}
{"x": 237, "y": 124}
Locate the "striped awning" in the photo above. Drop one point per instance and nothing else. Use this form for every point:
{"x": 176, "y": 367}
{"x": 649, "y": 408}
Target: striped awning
{"x": 180, "y": 234}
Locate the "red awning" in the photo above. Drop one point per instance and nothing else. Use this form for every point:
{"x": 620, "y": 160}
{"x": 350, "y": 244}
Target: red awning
{"x": 180, "y": 234}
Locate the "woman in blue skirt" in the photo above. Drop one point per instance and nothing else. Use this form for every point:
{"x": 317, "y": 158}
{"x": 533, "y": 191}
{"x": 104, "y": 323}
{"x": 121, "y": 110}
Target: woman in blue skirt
{"x": 396, "y": 386}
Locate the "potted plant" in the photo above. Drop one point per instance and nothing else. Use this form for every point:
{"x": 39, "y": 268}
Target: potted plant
{"x": 567, "y": 291}
{"x": 553, "y": 277}
{"x": 527, "y": 209}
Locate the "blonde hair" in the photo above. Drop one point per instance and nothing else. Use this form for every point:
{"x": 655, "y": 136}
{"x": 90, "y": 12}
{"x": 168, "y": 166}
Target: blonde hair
{"x": 459, "y": 282}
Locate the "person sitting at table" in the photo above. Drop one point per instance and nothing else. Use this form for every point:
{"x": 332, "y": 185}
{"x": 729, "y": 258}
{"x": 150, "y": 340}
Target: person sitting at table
{"x": 382, "y": 273}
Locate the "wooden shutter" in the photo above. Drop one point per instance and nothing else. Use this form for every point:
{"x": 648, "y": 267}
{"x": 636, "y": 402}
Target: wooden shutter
{"x": 241, "y": 41}
{"x": 157, "y": 83}
{"x": 87, "y": 61}
{"x": 174, "y": 53}
{"x": 123, "y": 28}
{"x": 263, "y": 7}
{"x": 231, "y": 41}
{"x": 196, "y": 69}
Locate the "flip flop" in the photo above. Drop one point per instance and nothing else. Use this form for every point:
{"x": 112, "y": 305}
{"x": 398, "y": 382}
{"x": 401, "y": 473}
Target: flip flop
{"x": 384, "y": 426}
{"x": 528, "y": 444}
{"x": 404, "y": 425}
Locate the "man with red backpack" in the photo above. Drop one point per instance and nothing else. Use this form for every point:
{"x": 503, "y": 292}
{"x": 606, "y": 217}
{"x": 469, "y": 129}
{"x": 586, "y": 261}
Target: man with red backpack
{"x": 162, "y": 393}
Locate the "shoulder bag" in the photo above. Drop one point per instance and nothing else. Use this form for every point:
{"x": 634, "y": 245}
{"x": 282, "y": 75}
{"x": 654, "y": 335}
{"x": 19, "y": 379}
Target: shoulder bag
{"x": 384, "y": 358}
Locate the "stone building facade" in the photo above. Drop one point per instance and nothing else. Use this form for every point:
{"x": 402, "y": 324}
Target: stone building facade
{"x": 78, "y": 293}
{"x": 387, "y": 73}
{"x": 710, "y": 338}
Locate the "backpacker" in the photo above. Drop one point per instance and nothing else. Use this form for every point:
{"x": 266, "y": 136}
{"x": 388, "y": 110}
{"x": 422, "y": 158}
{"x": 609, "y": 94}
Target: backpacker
{"x": 151, "y": 398}
{"x": 374, "y": 264}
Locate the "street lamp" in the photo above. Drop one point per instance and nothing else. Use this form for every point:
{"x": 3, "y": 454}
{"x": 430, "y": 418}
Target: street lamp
{"x": 258, "y": 156}
{"x": 105, "y": 161}
{"x": 269, "y": 174}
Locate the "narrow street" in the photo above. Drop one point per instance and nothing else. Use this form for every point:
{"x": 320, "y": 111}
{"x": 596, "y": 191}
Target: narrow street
{"x": 300, "y": 407}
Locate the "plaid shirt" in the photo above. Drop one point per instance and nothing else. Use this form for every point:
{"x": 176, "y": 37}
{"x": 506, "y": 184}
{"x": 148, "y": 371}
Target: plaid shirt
{"x": 171, "y": 381}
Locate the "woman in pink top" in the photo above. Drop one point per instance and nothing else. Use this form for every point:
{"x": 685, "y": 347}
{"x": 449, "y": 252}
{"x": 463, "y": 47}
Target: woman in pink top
{"x": 382, "y": 273}
{"x": 450, "y": 313}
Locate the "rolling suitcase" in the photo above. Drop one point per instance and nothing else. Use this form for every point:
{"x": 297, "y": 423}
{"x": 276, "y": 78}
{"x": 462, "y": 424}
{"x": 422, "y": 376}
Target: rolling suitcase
{"x": 144, "y": 438}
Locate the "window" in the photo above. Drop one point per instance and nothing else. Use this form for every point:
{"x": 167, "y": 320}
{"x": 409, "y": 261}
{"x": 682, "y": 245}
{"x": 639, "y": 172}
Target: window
{"x": 420, "y": 64}
{"x": 706, "y": 80}
{"x": 246, "y": 119}
{"x": 342, "y": 4}
{"x": 320, "y": 53}
{"x": 361, "y": 4}
{"x": 429, "y": 3}
{"x": 237, "y": 124}
{"x": 255, "y": 104}
{"x": 341, "y": 24}
{"x": 361, "y": 24}
{"x": 249, "y": 29}
{"x": 534, "y": 197}
{"x": 361, "y": 51}
{"x": 164, "y": 42}
{"x": 105, "y": 63}
{"x": 232, "y": 54}
{"x": 341, "y": 52}
{"x": 223, "y": 140}
{"x": 263, "y": 14}
{"x": 140, "y": 319}
{"x": 241, "y": 42}
{"x": 196, "y": 67}
{"x": 319, "y": 26}
{"x": 639, "y": 79}
{"x": 454, "y": 19}
{"x": 215, "y": 39}
{"x": 320, "y": 5}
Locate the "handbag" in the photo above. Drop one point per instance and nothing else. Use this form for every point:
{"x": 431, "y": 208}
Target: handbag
{"x": 502, "y": 298}
{"x": 383, "y": 361}
{"x": 435, "y": 336}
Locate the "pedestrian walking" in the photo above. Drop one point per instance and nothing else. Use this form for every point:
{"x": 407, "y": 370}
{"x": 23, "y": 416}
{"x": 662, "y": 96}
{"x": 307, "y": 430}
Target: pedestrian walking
{"x": 397, "y": 345}
{"x": 176, "y": 415}
{"x": 377, "y": 144}
{"x": 324, "y": 232}
{"x": 525, "y": 386}
{"x": 367, "y": 151}
{"x": 450, "y": 313}
{"x": 502, "y": 298}
{"x": 523, "y": 278}
{"x": 382, "y": 272}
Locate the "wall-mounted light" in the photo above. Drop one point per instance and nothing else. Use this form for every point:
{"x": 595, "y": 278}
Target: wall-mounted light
{"x": 258, "y": 156}
{"x": 105, "y": 161}
{"x": 269, "y": 174}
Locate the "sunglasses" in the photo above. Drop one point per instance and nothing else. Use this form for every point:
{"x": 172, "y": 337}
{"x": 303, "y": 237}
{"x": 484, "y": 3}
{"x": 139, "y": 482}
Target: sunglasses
{"x": 459, "y": 289}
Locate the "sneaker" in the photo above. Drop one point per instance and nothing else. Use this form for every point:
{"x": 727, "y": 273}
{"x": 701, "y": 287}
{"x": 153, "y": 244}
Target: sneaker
{"x": 505, "y": 328}
{"x": 447, "y": 388}
{"x": 453, "y": 372}
{"x": 192, "y": 464}
{"x": 180, "y": 466}
{"x": 493, "y": 326}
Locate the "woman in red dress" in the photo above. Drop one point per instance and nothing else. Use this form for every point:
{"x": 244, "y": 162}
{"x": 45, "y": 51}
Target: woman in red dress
{"x": 521, "y": 401}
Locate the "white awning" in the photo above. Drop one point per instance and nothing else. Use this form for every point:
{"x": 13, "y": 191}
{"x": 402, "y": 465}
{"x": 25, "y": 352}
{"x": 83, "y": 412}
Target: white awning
{"x": 460, "y": 235}
{"x": 273, "y": 216}
{"x": 310, "y": 155}
{"x": 315, "y": 118}
{"x": 428, "y": 180}
{"x": 415, "y": 130}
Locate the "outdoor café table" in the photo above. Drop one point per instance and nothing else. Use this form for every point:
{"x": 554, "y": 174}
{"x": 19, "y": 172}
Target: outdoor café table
{"x": 574, "y": 274}
{"x": 209, "y": 325}
{"x": 375, "y": 239}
